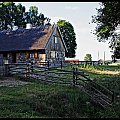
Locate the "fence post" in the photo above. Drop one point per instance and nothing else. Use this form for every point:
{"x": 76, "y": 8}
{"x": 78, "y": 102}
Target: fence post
{"x": 76, "y": 76}
{"x": 48, "y": 64}
{"x": 113, "y": 96}
{"x": 73, "y": 76}
{"x": 78, "y": 63}
{"x": 6, "y": 70}
{"x": 31, "y": 66}
{"x": 27, "y": 71}
{"x": 61, "y": 64}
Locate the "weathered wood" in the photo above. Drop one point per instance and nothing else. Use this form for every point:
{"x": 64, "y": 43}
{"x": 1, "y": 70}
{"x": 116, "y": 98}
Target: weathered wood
{"x": 83, "y": 62}
{"x": 75, "y": 77}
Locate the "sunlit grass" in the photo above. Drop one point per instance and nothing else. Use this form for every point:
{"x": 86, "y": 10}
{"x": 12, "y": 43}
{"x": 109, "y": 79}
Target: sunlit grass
{"x": 108, "y": 72}
{"x": 101, "y": 69}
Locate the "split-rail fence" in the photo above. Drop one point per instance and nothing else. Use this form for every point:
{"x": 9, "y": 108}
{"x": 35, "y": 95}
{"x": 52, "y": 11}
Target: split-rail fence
{"x": 99, "y": 94}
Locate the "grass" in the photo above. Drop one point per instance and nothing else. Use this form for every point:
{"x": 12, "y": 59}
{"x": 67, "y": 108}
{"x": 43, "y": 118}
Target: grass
{"x": 43, "y": 100}
{"x": 39, "y": 100}
{"x": 106, "y": 75}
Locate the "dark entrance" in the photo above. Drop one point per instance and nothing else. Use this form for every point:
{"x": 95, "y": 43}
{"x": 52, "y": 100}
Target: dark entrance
{"x": 14, "y": 57}
{"x": 5, "y": 55}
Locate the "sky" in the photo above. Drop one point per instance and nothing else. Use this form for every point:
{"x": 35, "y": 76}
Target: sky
{"x": 79, "y": 14}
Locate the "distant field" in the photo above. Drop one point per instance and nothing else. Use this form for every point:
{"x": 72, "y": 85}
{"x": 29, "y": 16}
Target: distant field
{"x": 43, "y": 100}
{"x": 115, "y": 64}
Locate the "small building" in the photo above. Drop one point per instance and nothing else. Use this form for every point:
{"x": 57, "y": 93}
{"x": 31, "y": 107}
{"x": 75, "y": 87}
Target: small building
{"x": 72, "y": 60}
{"x": 39, "y": 44}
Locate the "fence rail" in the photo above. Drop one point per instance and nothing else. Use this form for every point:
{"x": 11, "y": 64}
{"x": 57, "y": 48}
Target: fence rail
{"x": 84, "y": 62}
{"x": 60, "y": 76}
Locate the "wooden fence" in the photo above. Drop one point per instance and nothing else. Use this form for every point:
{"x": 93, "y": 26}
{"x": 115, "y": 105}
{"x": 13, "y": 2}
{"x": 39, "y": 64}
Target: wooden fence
{"x": 10, "y": 68}
{"x": 98, "y": 93}
{"x": 2, "y": 70}
{"x": 84, "y": 62}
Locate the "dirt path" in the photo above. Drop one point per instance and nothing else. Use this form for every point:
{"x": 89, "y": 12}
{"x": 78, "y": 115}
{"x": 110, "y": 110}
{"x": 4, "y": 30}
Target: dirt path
{"x": 11, "y": 82}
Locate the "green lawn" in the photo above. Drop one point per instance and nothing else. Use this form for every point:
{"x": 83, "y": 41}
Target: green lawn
{"x": 43, "y": 100}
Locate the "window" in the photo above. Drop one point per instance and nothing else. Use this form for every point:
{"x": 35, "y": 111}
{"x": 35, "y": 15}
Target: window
{"x": 57, "y": 54}
{"x": 52, "y": 54}
{"x": 31, "y": 55}
{"x": 56, "y": 40}
{"x": 35, "y": 55}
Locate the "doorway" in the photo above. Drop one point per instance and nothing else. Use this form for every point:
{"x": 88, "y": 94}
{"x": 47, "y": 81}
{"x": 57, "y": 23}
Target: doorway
{"x": 13, "y": 57}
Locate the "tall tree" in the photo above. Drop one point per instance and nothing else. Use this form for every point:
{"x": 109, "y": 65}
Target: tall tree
{"x": 108, "y": 20}
{"x": 40, "y": 19}
{"x": 20, "y": 16}
{"x": 33, "y": 17}
{"x": 1, "y": 16}
{"x": 7, "y": 12}
{"x": 69, "y": 37}
{"x": 11, "y": 15}
{"x": 15, "y": 15}
{"x": 33, "y": 12}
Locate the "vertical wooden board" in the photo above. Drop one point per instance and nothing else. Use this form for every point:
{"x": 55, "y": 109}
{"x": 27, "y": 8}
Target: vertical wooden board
{"x": 60, "y": 40}
{"x": 1, "y": 59}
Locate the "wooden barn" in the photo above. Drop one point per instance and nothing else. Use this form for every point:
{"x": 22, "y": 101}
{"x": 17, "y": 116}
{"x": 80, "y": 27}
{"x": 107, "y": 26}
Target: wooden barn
{"x": 39, "y": 44}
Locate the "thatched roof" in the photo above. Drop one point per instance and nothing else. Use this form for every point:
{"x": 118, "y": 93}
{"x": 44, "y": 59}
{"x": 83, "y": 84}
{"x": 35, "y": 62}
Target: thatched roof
{"x": 25, "y": 39}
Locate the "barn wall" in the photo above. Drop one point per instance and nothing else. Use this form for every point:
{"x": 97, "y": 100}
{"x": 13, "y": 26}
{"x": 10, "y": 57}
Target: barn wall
{"x": 23, "y": 56}
{"x": 1, "y": 59}
{"x": 55, "y": 50}
{"x": 35, "y": 56}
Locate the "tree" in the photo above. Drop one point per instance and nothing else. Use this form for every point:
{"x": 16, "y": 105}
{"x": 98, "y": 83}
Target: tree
{"x": 41, "y": 19}
{"x": 33, "y": 12}
{"x": 34, "y": 17}
{"x": 11, "y": 15}
{"x": 69, "y": 37}
{"x": 15, "y": 15}
{"x": 7, "y": 10}
{"x": 88, "y": 57}
{"x": 19, "y": 16}
{"x": 108, "y": 20}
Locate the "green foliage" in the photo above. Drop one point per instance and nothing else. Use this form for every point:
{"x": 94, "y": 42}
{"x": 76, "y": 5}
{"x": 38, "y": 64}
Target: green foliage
{"x": 69, "y": 37}
{"x": 11, "y": 15}
{"x": 19, "y": 16}
{"x": 88, "y": 57}
{"x": 34, "y": 18}
{"x": 7, "y": 10}
{"x": 107, "y": 19}
{"x": 117, "y": 52}
{"x": 15, "y": 15}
